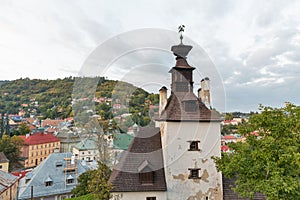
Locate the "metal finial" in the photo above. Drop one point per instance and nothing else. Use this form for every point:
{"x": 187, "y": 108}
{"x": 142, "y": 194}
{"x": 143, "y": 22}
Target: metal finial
{"x": 181, "y": 30}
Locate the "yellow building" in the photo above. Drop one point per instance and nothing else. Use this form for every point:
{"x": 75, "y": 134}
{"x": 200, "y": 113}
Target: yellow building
{"x": 4, "y": 162}
{"x": 37, "y": 147}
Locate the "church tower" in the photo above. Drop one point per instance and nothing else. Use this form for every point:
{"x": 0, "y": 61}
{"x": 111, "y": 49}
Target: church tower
{"x": 190, "y": 136}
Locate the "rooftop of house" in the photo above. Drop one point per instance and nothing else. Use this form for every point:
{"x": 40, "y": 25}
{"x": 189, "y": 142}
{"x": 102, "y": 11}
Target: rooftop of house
{"x": 51, "y": 122}
{"x": 3, "y": 158}
{"x": 122, "y": 141}
{"x": 52, "y": 169}
{"x": 87, "y": 144}
{"x": 175, "y": 109}
{"x": 144, "y": 153}
{"x": 39, "y": 138}
{"x": 6, "y": 180}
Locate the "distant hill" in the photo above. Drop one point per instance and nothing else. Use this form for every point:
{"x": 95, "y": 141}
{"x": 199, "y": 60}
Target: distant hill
{"x": 3, "y": 82}
{"x": 53, "y": 98}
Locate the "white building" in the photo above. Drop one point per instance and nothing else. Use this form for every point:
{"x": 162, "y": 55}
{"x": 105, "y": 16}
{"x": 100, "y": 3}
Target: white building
{"x": 86, "y": 150}
{"x": 173, "y": 161}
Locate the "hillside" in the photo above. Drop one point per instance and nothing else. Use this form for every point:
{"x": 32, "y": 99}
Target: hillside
{"x": 53, "y": 98}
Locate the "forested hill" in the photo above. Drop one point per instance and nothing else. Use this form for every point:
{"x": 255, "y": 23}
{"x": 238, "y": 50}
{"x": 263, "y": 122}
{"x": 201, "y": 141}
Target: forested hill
{"x": 53, "y": 98}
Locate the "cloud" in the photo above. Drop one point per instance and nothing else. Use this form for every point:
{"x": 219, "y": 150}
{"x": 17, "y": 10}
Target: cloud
{"x": 254, "y": 45}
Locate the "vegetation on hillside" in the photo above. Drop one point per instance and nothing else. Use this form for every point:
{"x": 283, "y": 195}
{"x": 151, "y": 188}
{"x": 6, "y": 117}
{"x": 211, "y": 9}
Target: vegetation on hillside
{"x": 68, "y": 97}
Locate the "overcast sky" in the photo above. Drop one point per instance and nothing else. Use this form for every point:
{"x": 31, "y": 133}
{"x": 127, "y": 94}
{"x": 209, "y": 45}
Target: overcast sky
{"x": 254, "y": 45}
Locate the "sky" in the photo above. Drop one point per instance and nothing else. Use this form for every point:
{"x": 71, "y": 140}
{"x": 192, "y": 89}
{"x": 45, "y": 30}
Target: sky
{"x": 251, "y": 48}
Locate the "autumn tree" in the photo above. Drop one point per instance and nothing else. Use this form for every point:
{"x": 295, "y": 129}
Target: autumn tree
{"x": 269, "y": 161}
{"x": 11, "y": 146}
{"x": 23, "y": 129}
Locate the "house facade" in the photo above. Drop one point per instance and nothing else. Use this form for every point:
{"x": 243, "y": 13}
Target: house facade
{"x": 37, "y": 147}
{"x": 87, "y": 150}
{"x": 8, "y": 186}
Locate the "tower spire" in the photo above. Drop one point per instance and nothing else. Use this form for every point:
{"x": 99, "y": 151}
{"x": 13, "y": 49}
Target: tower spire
{"x": 181, "y": 30}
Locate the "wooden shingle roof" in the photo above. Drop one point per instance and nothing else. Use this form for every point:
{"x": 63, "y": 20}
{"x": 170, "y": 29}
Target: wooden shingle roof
{"x": 229, "y": 194}
{"x": 145, "y": 148}
{"x": 175, "y": 111}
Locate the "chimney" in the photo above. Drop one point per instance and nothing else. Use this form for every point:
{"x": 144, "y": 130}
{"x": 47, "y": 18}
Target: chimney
{"x": 204, "y": 92}
{"x": 135, "y": 129}
{"x": 162, "y": 99}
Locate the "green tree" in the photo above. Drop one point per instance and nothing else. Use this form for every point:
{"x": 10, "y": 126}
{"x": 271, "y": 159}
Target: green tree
{"x": 269, "y": 161}
{"x": 95, "y": 183}
{"x": 23, "y": 129}
{"x": 11, "y": 146}
{"x": 99, "y": 185}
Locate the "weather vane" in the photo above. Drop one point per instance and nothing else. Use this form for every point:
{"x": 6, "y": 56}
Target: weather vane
{"x": 181, "y": 30}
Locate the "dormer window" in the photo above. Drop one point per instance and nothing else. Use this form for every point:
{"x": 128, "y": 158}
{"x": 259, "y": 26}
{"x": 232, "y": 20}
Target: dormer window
{"x": 70, "y": 179}
{"x": 194, "y": 145}
{"x": 147, "y": 178}
{"x": 146, "y": 174}
{"x": 48, "y": 182}
{"x": 59, "y": 164}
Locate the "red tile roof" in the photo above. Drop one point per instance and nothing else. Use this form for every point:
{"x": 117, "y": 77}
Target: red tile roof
{"x": 21, "y": 174}
{"x": 229, "y": 137}
{"x": 51, "y": 122}
{"x": 39, "y": 138}
{"x": 224, "y": 148}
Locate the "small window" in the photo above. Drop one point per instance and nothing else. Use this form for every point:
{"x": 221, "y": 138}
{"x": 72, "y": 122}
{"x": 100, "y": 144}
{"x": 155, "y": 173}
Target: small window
{"x": 147, "y": 178}
{"x": 194, "y": 173}
{"x": 59, "y": 164}
{"x": 150, "y": 198}
{"x": 48, "y": 183}
{"x": 194, "y": 145}
{"x": 70, "y": 181}
{"x": 0, "y": 166}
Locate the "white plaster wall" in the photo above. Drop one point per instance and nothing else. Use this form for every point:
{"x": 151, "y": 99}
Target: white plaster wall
{"x": 138, "y": 195}
{"x": 178, "y": 159}
{"x": 86, "y": 153}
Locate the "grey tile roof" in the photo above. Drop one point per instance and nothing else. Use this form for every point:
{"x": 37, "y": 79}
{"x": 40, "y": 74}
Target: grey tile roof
{"x": 6, "y": 180}
{"x": 87, "y": 144}
{"x": 47, "y": 171}
{"x": 145, "y": 152}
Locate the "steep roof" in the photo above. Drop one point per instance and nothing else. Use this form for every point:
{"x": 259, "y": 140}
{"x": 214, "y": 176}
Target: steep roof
{"x": 6, "y": 180}
{"x": 39, "y": 138}
{"x": 3, "y": 158}
{"x": 87, "y": 144}
{"x": 49, "y": 170}
{"x": 122, "y": 141}
{"x": 145, "y": 152}
{"x": 175, "y": 109}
